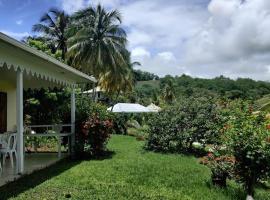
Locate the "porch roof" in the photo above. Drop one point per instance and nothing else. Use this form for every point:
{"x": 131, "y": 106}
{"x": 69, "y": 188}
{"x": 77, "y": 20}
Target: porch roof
{"x": 38, "y": 68}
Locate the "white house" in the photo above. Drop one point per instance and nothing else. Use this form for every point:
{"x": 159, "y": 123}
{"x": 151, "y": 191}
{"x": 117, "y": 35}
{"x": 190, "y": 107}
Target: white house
{"x": 22, "y": 67}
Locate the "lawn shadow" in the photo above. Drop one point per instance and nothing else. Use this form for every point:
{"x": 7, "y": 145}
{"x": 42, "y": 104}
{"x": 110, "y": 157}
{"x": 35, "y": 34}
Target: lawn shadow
{"x": 231, "y": 191}
{"x": 26, "y": 182}
{"x": 103, "y": 156}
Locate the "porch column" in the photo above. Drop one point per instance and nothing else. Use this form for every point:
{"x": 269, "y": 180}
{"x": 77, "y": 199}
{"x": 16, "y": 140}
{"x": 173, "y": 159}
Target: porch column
{"x": 73, "y": 119}
{"x": 19, "y": 103}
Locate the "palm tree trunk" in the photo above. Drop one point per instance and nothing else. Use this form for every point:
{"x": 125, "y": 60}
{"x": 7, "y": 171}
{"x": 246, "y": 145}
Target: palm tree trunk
{"x": 117, "y": 96}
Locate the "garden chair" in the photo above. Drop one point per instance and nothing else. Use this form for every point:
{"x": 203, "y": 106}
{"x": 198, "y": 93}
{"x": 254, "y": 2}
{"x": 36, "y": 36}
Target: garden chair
{"x": 10, "y": 149}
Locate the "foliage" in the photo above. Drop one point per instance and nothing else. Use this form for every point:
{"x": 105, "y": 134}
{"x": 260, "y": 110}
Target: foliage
{"x": 43, "y": 44}
{"x": 141, "y": 133}
{"x": 242, "y": 88}
{"x": 93, "y": 128}
{"x": 97, "y": 45}
{"x": 176, "y": 128}
{"x": 96, "y": 133}
{"x": 147, "y": 93}
{"x": 50, "y": 106}
{"x": 247, "y": 135}
{"x": 53, "y": 25}
{"x": 221, "y": 166}
{"x": 120, "y": 123}
{"x": 144, "y": 76}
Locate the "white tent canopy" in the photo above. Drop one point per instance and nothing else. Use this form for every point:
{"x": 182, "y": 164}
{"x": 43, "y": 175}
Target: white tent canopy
{"x": 128, "y": 108}
{"x": 154, "y": 108}
{"x": 97, "y": 89}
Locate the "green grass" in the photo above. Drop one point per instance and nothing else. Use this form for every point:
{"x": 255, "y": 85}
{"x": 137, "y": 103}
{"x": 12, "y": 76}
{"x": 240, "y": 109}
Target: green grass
{"x": 130, "y": 173}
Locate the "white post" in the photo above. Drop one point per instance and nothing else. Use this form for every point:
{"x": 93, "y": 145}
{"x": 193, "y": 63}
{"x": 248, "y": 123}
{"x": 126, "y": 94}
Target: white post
{"x": 73, "y": 119}
{"x": 19, "y": 103}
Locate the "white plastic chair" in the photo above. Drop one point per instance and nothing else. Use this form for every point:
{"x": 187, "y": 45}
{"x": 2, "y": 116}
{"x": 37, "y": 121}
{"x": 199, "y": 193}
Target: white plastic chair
{"x": 10, "y": 149}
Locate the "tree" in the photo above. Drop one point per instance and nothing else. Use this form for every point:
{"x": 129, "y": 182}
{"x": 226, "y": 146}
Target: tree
{"x": 168, "y": 92}
{"x": 41, "y": 44}
{"x": 53, "y": 25}
{"x": 247, "y": 138}
{"x": 98, "y": 43}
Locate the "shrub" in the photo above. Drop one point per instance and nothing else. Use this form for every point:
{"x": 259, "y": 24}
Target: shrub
{"x": 220, "y": 165}
{"x": 94, "y": 125}
{"x": 176, "y": 128}
{"x": 96, "y": 133}
{"x": 120, "y": 123}
{"x": 247, "y": 136}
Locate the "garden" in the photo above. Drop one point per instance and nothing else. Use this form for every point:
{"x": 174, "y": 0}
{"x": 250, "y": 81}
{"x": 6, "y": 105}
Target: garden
{"x": 196, "y": 148}
{"x": 211, "y": 140}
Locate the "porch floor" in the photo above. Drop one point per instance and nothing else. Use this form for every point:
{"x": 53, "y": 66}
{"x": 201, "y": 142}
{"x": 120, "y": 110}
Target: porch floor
{"x": 33, "y": 162}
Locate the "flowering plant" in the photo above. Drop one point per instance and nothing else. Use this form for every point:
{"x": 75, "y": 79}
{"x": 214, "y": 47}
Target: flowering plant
{"x": 221, "y": 167}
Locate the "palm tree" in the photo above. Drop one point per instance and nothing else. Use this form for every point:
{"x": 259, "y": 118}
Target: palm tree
{"x": 168, "y": 93}
{"x": 53, "y": 25}
{"x": 98, "y": 43}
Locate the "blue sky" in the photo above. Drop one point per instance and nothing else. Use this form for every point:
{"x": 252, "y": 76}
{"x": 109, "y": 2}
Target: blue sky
{"x": 203, "y": 38}
{"x": 18, "y": 16}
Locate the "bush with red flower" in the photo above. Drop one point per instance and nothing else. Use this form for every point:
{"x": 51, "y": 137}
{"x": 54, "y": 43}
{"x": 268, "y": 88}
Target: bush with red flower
{"x": 221, "y": 167}
{"x": 94, "y": 126}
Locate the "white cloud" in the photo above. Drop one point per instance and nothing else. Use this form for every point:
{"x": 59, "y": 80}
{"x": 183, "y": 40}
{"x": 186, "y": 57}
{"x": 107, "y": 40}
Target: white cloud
{"x": 71, "y": 6}
{"x": 199, "y": 37}
{"x": 169, "y": 56}
{"x": 163, "y": 29}
{"x": 140, "y": 52}
{"x": 108, "y": 3}
{"x": 16, "y": 35}
{"x": 234, "y": 42}
{"x": 19, "y": 22}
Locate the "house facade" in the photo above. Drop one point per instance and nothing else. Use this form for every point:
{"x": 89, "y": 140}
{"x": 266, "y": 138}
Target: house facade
{"x": 22, "y": 67}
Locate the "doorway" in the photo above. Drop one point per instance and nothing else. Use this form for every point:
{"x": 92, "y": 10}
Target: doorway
{"x": 3, "y": 112}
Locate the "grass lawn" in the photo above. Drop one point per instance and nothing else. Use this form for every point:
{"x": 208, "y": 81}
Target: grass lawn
{"x": 131, "y": 173}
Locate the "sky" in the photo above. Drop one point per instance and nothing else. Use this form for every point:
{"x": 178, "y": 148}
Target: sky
{"x": 201, "y": 38}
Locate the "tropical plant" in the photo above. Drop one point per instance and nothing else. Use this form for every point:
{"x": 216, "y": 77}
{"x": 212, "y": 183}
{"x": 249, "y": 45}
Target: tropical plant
{"x": 247, "y": 136}
{"x": 168, "y": 92}
{"x": 53, "y": 25}
{"x": 97, "y": 42}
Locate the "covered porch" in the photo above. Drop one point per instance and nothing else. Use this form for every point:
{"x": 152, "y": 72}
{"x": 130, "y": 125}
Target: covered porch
{"x": 32, "y": 163}
{"x": 22, "y": 67}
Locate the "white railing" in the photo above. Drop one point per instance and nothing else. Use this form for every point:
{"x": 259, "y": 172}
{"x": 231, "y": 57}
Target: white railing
{"x": 57, "y": 131}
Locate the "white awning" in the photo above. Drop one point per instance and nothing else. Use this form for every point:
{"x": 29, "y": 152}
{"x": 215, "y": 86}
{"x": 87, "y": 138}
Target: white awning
{"x": 36, "y": 65}
{"x": 128, "y": 108}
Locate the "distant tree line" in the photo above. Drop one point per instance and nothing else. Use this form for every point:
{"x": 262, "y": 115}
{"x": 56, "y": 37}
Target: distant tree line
{"x": 140, "y": 75}
{"x": 169, "y": 89}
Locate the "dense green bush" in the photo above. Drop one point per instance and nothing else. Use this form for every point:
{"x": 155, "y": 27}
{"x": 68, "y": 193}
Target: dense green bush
{"x": 176, "y": 128}
{"x": 248, "y": 138}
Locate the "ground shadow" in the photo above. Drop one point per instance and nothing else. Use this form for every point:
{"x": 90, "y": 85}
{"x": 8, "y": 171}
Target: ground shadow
{"x": 27, "y": 182}
{"x": 36, "y": 178}
{"x": 102, "y": 156}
